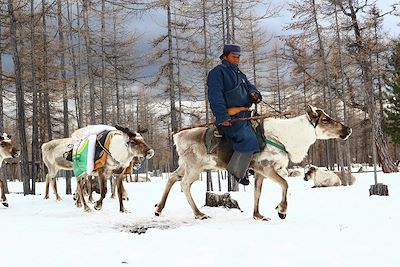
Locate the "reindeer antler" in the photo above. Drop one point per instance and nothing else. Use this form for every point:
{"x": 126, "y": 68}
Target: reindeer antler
{"x": 125, "y": 130}
{"x": 142, "y": 130}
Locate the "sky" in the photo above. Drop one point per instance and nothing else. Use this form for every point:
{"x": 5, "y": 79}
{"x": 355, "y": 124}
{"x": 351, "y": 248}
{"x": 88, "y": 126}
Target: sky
{"x": 151, "y": 25}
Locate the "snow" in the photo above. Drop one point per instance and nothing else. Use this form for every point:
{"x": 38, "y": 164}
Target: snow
{"x": 336, "y": 226}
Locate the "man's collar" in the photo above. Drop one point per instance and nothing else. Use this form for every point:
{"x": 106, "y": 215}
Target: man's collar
{"x": 226, "y": 63}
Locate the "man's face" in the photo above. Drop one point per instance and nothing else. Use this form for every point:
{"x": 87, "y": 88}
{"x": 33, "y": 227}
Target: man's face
{"x": 232, "y": 58}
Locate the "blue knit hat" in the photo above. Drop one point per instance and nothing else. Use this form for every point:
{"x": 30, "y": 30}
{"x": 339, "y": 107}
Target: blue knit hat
{"x": 232, "y": 48}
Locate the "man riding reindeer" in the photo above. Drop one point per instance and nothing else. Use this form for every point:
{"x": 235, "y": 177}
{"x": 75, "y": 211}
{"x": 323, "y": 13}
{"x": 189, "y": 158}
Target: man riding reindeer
{"x": 231, "y": 95}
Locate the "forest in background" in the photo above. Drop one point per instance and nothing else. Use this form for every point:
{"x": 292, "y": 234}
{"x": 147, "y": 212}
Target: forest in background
{"x": 68, "y": 64}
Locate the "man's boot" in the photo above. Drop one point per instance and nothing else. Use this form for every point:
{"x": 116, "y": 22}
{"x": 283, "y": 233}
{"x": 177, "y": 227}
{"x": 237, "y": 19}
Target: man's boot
{"x": 238, "y": 165}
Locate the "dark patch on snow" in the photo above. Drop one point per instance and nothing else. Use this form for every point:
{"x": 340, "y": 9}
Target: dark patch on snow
{"x": 140, "y": 227}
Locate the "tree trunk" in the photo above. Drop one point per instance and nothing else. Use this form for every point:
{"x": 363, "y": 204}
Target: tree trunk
{"x": 64, "y": 86}
{"x": 233, "y": 20}
{"x": 116, "y": 76}
{"x": 103, "y": 64}
{"x": 78, "y": 108}
{"x": 174, "y": 125}
{"x": 2, "y": 172}
{"x": 89, "y": 61}
{"x": 19, "y": 91}
{"x": 35, "y": 131}
{"x": 81, "y": 91}
{"x": 368, "y": 95}
{"x": 326, "y": 79}
{"x": 228, "y": 32}
{"x": 1, "y": 89}
{"x": 46, "y": 75}
{"x": 223, "y": 22}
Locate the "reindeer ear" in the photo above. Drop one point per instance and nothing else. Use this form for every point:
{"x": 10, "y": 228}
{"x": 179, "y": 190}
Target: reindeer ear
{"x": 313, "y": 167}
{"x": 312, "y": 114}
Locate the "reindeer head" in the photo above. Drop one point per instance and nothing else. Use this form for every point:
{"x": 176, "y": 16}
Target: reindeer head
{"x": 325, "y": 126}
{"x": 6, "y": 148}
{"x": 136, "y": 144}
{"x": 310, "y": 174}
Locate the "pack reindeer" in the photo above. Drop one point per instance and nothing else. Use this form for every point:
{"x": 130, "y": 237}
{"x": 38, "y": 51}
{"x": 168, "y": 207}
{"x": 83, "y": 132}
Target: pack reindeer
{"x": 7, "y": 150}
{"x": 124, "y": 147}
{"x": 296, "y": 135}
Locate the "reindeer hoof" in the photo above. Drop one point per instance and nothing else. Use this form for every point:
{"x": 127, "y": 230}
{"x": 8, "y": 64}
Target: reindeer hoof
{"x": 97, "y": 207}
{"x": 202, "y": 217}
{"x": 125, "y": 198}
{"x": 261, "y": 218}
{"x": 281, "y": 212}
{"x": 88, "y": 210}
{"x": 5, "y": 204}
{"x": 124, "y": 211}
{"x": 282, "y": 215}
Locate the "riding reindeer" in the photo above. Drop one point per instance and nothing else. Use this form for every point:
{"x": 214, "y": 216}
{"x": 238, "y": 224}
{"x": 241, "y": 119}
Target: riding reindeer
{"x": 124, "y": 146}
{"x": 292, "y": 139}
{"x": 6, "y": 151}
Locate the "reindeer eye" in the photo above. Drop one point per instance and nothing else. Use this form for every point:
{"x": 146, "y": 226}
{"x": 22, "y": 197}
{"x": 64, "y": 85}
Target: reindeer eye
{"x": 324, "y": 120}
{"x": 131, "y": 142}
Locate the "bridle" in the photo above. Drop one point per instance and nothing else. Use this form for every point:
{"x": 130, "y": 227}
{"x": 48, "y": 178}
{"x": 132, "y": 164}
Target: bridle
{"x": 310, "y": 121}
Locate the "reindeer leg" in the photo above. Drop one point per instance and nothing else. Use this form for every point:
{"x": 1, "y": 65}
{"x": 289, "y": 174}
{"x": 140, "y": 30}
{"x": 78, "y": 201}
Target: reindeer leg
{"x": 282, "y": 206}
{"x": 113, "y": 186}
{"x": 257, "y": 193}
{"x": 50, "y": 177}
{"x": 46, "y": 188}
{"x": 54, "y": 184}
{"x": 103, "y": 189}
{"x": 186, "y": 184}
{"x": 81, "y": 194}
{"x": 3, "y": 196}
{"x": 120, "y": 193}
{"x": 90, "y": 188}
{"x": 175, "y": 176}
{"x": 77, "y": 196}
{"x": 124, "y": 193}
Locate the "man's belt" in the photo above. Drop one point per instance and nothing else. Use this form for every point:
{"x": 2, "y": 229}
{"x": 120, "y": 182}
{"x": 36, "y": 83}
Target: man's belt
{"x": 235, "y": 110}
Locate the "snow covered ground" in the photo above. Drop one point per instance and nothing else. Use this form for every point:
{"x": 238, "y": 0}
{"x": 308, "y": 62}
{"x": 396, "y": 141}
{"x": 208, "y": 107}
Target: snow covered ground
{"x": 337, "y": 226}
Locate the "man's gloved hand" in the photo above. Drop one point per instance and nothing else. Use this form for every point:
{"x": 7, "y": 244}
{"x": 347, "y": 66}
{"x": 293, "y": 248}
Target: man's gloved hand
{"x": 255, "y": 97}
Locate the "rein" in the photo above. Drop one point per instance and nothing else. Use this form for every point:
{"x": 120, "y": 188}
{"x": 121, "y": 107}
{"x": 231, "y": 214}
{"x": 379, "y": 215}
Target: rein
{"x": 277, "y": 111}
{"x": 232, "y": 121}
{"x": 106, "y": 150}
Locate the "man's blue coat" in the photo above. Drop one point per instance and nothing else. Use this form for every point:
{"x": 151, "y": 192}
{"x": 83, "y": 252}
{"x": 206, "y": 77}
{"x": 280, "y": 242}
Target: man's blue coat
{"x": 229, "y": 87}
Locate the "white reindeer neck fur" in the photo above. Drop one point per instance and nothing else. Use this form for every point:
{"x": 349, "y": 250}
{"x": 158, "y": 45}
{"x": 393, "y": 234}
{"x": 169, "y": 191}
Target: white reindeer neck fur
{"x": 119, "y": 151}
{"x": 296, "y": 134}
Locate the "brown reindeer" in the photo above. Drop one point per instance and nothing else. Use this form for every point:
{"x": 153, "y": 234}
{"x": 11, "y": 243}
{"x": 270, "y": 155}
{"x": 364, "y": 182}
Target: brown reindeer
{"x": 296, "y": 135}
{"x": 124, "y": 146}
{"x": 7, "y": 150}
